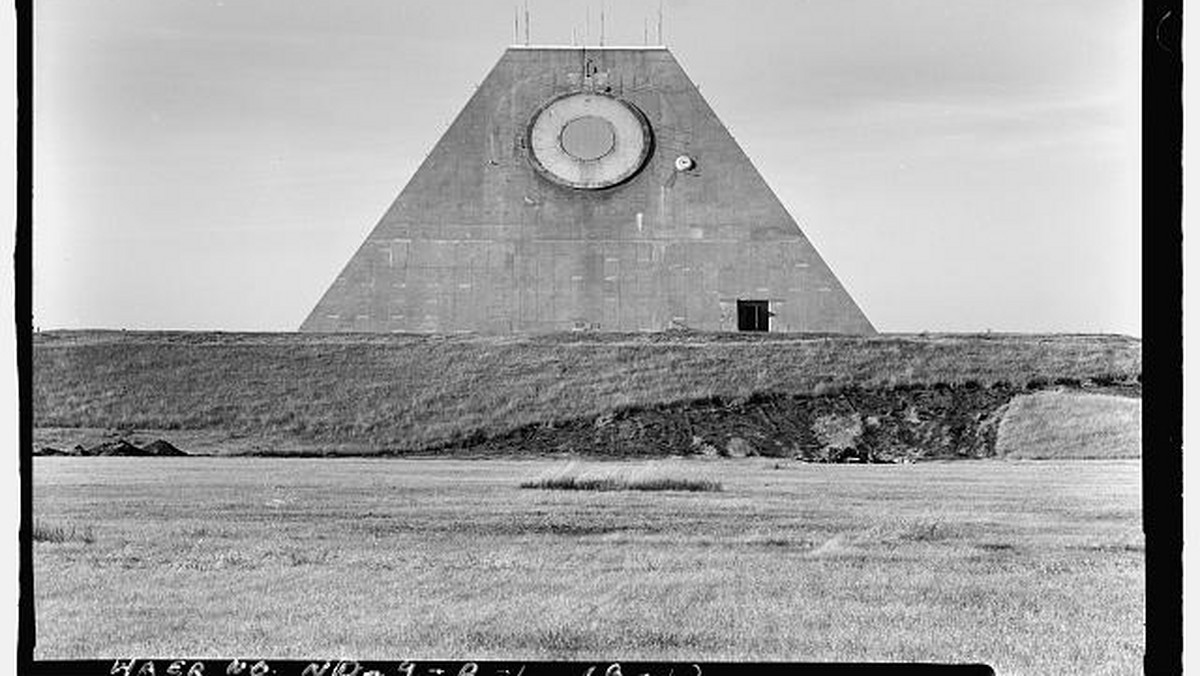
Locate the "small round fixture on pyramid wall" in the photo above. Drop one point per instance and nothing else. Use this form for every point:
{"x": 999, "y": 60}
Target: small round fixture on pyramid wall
{"x": 589, "y": 140}
{"x": 684, "y": 163}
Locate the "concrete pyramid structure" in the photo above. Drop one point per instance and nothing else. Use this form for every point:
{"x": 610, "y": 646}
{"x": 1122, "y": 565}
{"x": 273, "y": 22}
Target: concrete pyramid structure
{"x": 586, "y": 188}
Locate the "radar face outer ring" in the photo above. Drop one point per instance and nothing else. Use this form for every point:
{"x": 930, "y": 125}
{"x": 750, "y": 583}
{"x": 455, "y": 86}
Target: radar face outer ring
{"x": 633, "y": 141}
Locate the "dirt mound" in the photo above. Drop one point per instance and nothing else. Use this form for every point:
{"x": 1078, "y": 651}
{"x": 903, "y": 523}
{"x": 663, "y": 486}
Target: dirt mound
{"x": 161, "y": 448}
{"x": 116, "y": 448}
{"x": 49, "y": 450}
{"x": 120, "y": 447}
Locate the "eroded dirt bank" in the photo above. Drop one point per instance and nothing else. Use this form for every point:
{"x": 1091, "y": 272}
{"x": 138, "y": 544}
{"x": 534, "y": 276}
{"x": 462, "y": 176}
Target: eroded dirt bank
{"x": 900, "y": 424}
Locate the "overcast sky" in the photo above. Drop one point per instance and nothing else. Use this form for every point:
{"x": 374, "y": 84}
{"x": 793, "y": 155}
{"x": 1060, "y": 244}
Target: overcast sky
{"x": 961, "y": 165}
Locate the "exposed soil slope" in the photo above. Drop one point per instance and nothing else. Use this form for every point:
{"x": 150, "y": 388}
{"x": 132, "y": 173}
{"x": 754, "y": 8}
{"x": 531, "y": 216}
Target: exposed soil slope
{"x": 882, "y": 425}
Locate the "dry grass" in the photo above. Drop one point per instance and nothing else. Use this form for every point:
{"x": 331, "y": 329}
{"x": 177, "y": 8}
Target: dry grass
{"x": 1068, "y": 425}
{"x": 652, "y": 476}
{"x": 290, "y": 392}
{"x": 58, "y": 533}
{"x": 1034, "y": 568}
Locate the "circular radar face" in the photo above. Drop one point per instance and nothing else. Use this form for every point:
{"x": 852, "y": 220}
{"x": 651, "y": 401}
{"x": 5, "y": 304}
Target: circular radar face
{"x": 589, "y": 141}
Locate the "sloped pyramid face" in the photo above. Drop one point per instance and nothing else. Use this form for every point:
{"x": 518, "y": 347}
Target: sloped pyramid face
{"x": 586, "y": 189}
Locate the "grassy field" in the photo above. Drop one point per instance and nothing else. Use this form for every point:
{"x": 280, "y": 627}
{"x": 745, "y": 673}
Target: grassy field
{"x": 1033, "y": 567}
{"x": 287, "y": 393}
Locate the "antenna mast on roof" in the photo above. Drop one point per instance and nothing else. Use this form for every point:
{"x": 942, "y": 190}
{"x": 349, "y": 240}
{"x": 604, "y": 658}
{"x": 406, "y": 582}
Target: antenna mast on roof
{"x": 601, "y": 23}
{"x": 516, "y": 25}
{"x": 526, "y": 23}
{"x": 645, "y": 31}
{"x": 660, "y": 13}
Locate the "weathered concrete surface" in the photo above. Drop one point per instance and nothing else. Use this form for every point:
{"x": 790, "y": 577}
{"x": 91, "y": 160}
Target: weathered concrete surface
{"x": 480, "y": 241}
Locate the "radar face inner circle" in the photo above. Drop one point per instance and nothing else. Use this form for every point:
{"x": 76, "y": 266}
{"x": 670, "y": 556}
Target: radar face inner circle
{"x": 589, "y": 141}
{"x": 588, "y": 138}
